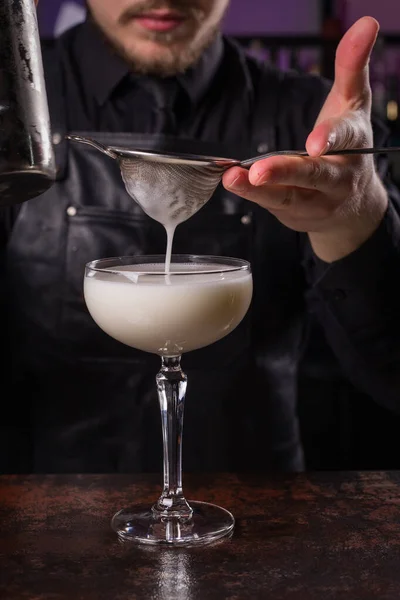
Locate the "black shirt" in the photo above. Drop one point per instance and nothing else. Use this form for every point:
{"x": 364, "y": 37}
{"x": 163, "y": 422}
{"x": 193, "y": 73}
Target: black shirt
{"x": 105, "y": 95}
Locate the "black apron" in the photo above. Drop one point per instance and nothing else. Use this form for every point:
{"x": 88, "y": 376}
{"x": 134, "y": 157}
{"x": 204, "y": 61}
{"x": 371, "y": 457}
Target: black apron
{"x": 90, "y": 402}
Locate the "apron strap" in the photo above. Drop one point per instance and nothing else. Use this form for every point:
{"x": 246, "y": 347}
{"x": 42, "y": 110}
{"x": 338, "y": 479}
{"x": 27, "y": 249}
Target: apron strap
{"x": 56, "y": 100}
{"x": 266, "y": 107}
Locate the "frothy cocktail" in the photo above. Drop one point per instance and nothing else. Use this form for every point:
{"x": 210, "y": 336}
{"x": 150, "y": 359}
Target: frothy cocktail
{"x": 192, "y": 307}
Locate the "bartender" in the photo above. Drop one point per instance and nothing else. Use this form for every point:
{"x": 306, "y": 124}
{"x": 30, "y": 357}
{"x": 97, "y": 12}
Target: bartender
{"x": 322, "y": 234}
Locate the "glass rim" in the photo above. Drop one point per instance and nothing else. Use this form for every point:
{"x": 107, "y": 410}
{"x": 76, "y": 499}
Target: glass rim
{"x": 232, "y": 264}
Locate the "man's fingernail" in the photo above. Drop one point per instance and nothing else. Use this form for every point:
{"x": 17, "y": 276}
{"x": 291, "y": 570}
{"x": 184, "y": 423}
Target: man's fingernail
{"x": 327, "y": 147}
{"x": 330, "y": 143}
{"x": 264, "y": 178}
{"x": 236, "y": 185}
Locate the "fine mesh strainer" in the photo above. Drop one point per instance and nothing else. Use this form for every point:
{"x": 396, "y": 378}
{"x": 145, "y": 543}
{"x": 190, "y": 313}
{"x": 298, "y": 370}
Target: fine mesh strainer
{"x": 171, "y": 188}
{"x": 169, "y": 192}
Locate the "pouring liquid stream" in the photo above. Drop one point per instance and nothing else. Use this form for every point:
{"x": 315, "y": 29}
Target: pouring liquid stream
{"x": 170, "y": 230}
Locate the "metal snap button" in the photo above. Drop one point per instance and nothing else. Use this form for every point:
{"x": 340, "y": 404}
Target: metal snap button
{"x": 262, "y": 148}
{"x": 246, "y": 219}
{"x": 71, "y": 211}
{"x": 57, "y": 138}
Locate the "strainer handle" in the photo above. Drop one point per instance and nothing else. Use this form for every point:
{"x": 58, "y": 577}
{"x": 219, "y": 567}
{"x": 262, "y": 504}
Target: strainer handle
{"x": 93, "y": 143}
{"x": 250, "y": 161}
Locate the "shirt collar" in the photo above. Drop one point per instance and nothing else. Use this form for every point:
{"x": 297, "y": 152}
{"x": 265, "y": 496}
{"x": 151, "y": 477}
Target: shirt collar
{"x": 103, "y": 69}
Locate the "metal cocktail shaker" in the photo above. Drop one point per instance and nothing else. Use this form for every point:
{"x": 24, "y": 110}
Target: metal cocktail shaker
{"x": 27, "y": 163}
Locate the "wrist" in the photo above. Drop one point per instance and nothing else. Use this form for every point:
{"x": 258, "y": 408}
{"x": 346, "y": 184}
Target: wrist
{"x": 361, "y": 221}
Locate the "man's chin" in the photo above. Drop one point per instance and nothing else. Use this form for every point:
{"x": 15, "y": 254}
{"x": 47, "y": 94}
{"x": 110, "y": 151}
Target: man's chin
{"x": 156, "y": 49}
{"x": 153, "y": 57}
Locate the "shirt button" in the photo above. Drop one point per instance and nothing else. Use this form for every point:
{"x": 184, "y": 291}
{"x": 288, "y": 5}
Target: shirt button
{"x": 262, "y": 148}
{"x": 246, "y": 219}
{"x": 71, "y": 211}
{"x": 57, "y": 138}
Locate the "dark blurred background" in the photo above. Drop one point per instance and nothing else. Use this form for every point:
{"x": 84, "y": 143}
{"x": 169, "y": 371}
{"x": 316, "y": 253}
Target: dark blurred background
{"x": 341, "y": 428}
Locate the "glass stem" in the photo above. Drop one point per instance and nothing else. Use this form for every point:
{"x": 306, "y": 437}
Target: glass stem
{"x": 171, "y": 387}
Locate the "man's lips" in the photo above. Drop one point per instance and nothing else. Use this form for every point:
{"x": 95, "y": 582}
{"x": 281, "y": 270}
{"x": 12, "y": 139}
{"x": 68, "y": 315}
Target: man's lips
{"x": 160, "y": 20}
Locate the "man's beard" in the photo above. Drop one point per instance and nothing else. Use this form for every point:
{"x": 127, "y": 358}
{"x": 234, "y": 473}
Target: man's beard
{"x": 174, "y": 59}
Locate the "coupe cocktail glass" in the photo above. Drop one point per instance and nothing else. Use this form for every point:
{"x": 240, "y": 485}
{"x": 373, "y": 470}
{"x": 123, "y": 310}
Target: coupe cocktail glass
{"x": 201, "y": 300}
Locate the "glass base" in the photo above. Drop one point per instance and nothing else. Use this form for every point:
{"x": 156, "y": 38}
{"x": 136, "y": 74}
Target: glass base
{"x": 142, "y": 526}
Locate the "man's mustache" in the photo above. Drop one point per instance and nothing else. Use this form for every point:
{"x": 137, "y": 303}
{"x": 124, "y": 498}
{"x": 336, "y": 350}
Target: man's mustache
{"x": 179, "y": 6}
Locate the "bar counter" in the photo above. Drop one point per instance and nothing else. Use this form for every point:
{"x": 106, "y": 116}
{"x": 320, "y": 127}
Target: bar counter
{"x": 310, "y": 536}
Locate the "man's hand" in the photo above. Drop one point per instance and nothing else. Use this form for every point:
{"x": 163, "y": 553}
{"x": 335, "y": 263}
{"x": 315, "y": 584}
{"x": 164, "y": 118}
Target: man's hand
{"x": 338, "y": 200}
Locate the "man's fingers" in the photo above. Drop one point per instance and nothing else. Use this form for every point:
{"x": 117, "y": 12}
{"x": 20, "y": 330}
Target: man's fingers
{"x": 339, "y": 133}
{"x": 271, "y": 197}
{"x": 295, "y": 206}
{"x": 237, "y": 181}
{"x": 308, "y": 173}
{"x": 352, "y": 58}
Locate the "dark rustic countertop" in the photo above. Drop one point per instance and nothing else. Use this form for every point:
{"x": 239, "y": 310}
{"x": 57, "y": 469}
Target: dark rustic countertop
{"x": 302, "y": 537}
